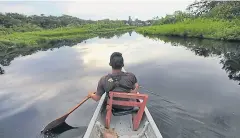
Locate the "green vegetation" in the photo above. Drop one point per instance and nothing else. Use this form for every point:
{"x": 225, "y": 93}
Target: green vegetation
{"x": 24, "y": 35}
{"x": 10, "y": 52}
{"x": 14, "y": 22}
{"x": 204, "y": 19}
{"x": 200, "y": 28}
{"x": 39, "y": 37}
{"x": 17, "y": 30}
{"x": 45, "y": 37}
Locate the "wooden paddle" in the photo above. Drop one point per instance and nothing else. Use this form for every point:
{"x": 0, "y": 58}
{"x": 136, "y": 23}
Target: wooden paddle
{"x": 61, "y": 120}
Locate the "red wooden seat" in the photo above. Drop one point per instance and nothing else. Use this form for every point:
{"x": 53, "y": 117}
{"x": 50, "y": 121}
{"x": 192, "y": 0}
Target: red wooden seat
{"x": 136, "y": 118}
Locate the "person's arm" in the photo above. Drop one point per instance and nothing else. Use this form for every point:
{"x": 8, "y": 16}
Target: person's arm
{"x": 136, "y": 85}
{"x": 135, "y": 90}
{"x": 96, "y": 96}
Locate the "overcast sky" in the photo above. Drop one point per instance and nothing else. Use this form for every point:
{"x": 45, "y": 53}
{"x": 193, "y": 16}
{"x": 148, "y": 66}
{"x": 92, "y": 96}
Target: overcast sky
{"x": 97, "y": 9}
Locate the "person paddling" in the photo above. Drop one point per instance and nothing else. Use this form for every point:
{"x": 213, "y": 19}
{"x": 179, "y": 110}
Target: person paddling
{"x": 117, "y": 81}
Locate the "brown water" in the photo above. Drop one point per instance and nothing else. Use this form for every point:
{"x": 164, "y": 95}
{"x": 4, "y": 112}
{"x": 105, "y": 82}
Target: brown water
{"x": 193, "y": 85}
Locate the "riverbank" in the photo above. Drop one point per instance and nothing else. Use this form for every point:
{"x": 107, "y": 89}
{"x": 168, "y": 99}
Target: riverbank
{"x": 47, "y": 37}
{"x": 9, "y": 52}
{"x": 197, "y": 28}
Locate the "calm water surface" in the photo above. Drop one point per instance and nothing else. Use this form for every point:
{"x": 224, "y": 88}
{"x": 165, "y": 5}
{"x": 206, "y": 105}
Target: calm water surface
{"x": 193, "y": 85}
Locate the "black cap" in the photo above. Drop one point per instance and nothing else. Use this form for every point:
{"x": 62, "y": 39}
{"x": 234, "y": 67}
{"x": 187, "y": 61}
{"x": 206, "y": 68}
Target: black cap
{"x": 116, "y": 60}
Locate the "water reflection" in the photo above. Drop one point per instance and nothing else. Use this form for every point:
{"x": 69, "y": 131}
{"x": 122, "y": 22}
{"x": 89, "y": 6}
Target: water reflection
{"x": 231, "y": 63}
{"x": 8, "y": 53}
{"x": 109, "y": 35}
{"x": 190, "y": 95}
{"x": 1, "y": 70}
{"x": 38, "y": 88}
{"x": 229, "y": 52}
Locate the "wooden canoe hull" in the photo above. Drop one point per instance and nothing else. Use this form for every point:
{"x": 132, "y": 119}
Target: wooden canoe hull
{"x": 121, "y": 125}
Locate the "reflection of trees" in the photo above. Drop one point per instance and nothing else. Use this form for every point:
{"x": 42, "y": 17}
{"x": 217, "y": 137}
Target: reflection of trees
{"x": 7, "y": 53}
{"x": 202, "y": 52}
{"x": 109, "y": 35}
{"x": 130, "y": 33}
{"x": 231, "y": 63}
{"x": 1, "y": 70}
{"x": 228, "y": 51}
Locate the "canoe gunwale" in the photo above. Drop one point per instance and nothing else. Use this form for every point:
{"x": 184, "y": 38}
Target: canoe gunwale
{"x": 152, "y": 123}
{"x": 94, "y": 117}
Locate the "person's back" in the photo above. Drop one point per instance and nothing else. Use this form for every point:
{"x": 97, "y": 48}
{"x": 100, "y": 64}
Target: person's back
{"x": 117, "y": 81}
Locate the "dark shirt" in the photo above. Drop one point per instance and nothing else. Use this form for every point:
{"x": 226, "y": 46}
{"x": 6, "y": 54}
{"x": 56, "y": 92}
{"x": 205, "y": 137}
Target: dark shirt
{"x": 126, "y": 82}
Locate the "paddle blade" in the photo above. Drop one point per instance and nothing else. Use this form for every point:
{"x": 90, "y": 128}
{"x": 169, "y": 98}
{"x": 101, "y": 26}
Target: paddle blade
{"x": 58, "y": 130}
{"x": 56, "y": 123}
{"x": 60, "y": 121}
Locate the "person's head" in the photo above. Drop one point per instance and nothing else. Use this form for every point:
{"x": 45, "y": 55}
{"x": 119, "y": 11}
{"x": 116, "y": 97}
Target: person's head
{"x": 116, "y": 61}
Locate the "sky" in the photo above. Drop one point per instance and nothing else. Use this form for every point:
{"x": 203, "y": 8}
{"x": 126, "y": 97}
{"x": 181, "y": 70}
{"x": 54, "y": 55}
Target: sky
{"x": 97, "y": 9}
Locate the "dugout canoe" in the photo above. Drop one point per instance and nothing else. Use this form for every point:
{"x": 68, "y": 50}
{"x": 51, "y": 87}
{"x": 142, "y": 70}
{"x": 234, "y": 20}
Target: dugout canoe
{"x": 121, "y": 125}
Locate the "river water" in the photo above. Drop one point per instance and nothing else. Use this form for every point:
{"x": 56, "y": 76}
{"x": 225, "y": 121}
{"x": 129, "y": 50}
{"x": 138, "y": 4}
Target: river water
{"x": 193, "y": 85}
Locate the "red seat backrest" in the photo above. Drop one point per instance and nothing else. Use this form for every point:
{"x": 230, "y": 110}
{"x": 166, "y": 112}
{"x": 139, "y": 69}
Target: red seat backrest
{"x": 136, "y": 118}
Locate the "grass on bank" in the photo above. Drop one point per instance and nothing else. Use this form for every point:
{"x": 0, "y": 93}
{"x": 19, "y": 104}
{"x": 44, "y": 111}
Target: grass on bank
{"x": 45, "y": 36}
{"x": 200, "y": 28}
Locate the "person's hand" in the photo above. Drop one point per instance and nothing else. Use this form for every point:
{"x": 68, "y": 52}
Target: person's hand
{"x": 90, "y": 94}
{"x": 133, "y": 91}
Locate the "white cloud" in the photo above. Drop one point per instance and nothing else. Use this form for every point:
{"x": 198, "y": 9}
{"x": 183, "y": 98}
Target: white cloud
{"x": 122, "y": 9}
{"x": 96, "y": 55}
{"x": 19, "y": 8}
{"x": 99, "y": 9}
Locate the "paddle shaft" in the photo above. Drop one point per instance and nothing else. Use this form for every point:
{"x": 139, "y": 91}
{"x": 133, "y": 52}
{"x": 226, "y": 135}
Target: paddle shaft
{"x": 62, "y": 119}
{"x": 73, "y": 109}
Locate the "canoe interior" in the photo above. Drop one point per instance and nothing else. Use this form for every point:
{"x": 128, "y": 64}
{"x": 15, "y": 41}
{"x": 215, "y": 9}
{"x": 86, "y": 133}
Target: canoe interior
{"x": 121, "y": 125}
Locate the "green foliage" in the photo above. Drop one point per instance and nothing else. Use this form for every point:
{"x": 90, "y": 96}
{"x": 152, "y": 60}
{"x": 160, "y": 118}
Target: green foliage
{"x": 204, "y": 19}
{"x": 20, "y": 31}
{"x": 14, "y": 22}
{"x": 200, "y": 27}
{"x": 178, "y": 16}
{"x": 227, "y": 10}
{"x": 37, "y": 38}
{"x": 8, "y": 20}
{"x": 215, "y": 9}
{"x": 9, "y": 50}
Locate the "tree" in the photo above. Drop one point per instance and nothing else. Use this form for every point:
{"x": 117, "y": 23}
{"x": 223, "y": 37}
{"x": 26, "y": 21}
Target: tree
{"x": 219, "y": 9}
{"x": 129, "y": 20}
{"x": 201, "y": 7}
{"x": 22, "y": 23}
